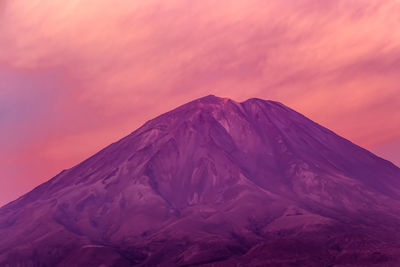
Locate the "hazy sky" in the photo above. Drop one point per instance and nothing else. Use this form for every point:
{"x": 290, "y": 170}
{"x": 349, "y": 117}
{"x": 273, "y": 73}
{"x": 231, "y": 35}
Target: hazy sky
{"x": 77, "y": 75}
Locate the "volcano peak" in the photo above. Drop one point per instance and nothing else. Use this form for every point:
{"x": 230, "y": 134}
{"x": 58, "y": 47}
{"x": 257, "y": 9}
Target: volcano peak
{"x": 213, "y": 181}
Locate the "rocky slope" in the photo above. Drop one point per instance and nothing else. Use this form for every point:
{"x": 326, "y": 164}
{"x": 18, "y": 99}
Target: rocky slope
{"x": 215, "y": 183}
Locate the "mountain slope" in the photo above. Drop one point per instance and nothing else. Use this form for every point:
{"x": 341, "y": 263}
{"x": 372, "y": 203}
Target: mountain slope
{"x": 213, "y": 182}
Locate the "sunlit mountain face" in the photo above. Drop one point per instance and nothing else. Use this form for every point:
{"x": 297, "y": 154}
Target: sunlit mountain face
{"x": 214, "y": 183}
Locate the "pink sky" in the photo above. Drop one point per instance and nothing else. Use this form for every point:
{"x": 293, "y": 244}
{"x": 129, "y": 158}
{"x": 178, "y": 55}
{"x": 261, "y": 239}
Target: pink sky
{"x": 78, "y": 75}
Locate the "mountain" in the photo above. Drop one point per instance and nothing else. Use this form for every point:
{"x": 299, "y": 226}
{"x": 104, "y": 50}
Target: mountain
{"x": 214, "y": 183}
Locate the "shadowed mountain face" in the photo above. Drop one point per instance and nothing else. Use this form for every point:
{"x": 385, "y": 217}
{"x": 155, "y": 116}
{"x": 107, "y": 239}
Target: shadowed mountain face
{"x": 214, "y": 183}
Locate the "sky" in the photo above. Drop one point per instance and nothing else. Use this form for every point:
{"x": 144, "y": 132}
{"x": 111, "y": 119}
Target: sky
{"x": 78, "y": 75}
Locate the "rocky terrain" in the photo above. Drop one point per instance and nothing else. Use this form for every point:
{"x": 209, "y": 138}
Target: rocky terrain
{"x": 214, "y": 183}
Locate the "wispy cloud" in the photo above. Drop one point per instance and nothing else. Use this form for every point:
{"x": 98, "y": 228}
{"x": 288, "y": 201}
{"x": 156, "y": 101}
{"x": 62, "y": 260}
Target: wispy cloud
{"x": 88, "y": 72}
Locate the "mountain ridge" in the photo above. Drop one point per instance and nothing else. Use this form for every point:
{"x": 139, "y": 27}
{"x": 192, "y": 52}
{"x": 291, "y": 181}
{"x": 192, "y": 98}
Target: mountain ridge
{"x": 213, "y": 181}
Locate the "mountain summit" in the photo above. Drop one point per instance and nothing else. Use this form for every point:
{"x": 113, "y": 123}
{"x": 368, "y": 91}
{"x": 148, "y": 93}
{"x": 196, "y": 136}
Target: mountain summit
{"x": 214, "y": 183}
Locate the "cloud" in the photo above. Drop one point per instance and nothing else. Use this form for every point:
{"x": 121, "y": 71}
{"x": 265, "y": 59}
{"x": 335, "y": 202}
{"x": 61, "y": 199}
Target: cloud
{"x": 89, "y": 72}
